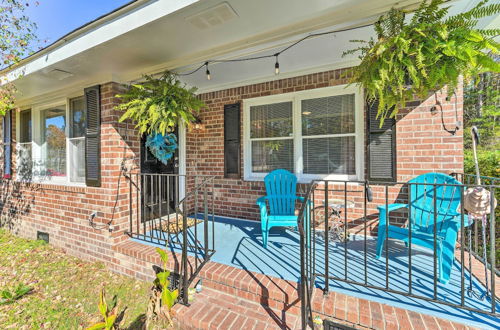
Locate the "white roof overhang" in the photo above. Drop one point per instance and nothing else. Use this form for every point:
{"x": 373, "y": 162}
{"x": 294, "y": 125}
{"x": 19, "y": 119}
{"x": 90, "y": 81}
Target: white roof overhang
{"x": 150, "y": 36}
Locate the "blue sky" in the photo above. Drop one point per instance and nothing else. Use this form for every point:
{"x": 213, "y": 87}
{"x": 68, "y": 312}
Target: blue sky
{"x": 55, "y": 18}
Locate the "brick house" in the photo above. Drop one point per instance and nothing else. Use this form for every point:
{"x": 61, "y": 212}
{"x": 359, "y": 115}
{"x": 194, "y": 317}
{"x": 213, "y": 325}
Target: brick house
{"x": 66, "y": 155}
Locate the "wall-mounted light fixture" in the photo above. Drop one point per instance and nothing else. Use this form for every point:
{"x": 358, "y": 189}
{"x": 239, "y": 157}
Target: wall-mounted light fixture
{"x": 197, "y": 124}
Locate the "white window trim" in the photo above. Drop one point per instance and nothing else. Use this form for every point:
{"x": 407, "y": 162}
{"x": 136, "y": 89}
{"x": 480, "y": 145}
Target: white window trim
{"x": 296, "y": 98}
{"x": 36, "y": 143}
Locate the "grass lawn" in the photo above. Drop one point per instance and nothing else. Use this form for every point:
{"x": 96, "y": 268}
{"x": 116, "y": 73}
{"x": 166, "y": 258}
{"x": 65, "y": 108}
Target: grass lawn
{"x": 65, "y": 289}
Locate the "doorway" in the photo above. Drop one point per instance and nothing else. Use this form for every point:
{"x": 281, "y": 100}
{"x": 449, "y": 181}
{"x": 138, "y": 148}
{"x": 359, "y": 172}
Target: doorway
{"x": 160, "y": 192}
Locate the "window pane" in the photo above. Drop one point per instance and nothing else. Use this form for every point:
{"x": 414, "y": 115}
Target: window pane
{"x": 271, "y": 155}
{"x": 25, "y": 126}
{"x": 54, "y": 142}
{"x": 24, "y": 162}
{"x": 271, "y": 120}
{"x": 328, "y": 115}
{"x": 78, "y": 114}
{"x": 335, "y": 155}
{"x": 77, "y": 159}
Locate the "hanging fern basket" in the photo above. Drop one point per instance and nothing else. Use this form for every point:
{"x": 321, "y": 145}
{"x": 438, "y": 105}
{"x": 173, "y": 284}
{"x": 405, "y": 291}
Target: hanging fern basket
{"x": 417, "y": 56}
{"x": 157, "y": 106}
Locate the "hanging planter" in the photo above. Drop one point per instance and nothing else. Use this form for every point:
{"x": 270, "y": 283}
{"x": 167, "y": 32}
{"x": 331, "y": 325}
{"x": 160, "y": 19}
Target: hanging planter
{"x": 156, "y": 106}
{"x": 426, "y": 53}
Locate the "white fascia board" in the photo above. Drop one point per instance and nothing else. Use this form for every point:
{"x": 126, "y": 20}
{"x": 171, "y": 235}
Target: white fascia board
{"x": 113, "y": 28}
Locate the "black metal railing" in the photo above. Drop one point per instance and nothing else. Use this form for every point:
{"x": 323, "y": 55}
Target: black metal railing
{"x": 475, "y": 234}
{"x": 341, "y": 247}
{"x": 307, "y": 259}
{"x": 177, "y": 212}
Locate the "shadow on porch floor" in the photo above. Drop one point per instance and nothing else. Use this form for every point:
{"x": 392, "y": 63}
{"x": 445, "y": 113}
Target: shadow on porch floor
{"x": 238, "y": 244}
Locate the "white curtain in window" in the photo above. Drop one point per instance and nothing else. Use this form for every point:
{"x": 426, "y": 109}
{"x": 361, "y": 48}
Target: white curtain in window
{"x": 271, "y": 134}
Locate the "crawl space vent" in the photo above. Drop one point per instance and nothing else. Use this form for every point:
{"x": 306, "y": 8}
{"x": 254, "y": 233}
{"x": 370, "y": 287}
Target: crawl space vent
{"x": 212, "y": 16}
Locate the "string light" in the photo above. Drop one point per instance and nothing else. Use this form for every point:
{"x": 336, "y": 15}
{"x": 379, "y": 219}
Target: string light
{"x": 253, "y": 58}
{"x": 208, "y": 71}
{"x": 277, "y": 65}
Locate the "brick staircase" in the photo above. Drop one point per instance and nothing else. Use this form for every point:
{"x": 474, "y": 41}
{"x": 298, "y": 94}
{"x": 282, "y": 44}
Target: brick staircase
{"x": 233, "y": 298}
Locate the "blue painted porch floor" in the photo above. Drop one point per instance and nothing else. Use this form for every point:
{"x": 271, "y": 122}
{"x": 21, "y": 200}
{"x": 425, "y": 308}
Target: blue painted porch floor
{"x": 238, "y": 243}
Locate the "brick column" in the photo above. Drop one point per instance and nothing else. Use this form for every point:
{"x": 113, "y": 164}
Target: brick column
{"x": 120, "y": 145}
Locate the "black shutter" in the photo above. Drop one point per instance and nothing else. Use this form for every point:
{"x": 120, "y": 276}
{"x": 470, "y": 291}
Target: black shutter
{"x": 93, "y": 136}
{"x": 7, "y": 145}
{"x": 232, "y": 140}
{"x": 381, "y": 146}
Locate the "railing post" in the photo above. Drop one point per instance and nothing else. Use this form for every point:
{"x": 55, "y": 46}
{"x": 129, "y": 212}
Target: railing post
{"x": 185, "y": 277}
{"x": 327, "y": 266}
{"x": 492, "y": 248}
{"x": 196, "y": 218}
{"x": 434, "y": 202}
{"x": 345, "y": 230}
{"x": 130, "y": 211}
{"x": 462, "y": 243}
{"x": 205, "y": 219}
{"x": 409, "y": 239}
{"x": 386, "y": 236}
{"x": 303, "y": 279}
{"x": 365, "y": 196}
{"x": 213, "y": 213}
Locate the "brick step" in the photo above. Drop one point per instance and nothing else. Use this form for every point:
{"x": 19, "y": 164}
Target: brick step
{"x": 213, "y": 309}
{"x": 259, "y": 288}
{"x": 247, "y": 292}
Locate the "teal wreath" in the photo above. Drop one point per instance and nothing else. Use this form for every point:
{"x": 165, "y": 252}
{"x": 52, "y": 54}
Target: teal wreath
{"x": 162, "y": 147}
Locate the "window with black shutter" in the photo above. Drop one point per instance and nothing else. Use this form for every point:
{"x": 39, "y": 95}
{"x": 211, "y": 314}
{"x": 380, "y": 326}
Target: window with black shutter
{"x": 92, "y": 137}
{"x": 7, "y": 151}
{"x": 381, "y": 146}
{"x": 232, "y": 140}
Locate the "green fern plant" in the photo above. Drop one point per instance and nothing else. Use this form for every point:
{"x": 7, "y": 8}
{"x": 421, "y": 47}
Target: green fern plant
{"x": 426, "y": 53}
{"x": 157, "y": 104}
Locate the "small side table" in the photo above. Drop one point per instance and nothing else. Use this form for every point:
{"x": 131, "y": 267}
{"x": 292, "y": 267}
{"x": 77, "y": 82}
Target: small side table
{"x": 336, "y": 224}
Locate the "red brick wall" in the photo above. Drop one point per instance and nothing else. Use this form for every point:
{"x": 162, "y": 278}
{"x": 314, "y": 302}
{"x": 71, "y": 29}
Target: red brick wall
{"x": 63, "y": 211}
{"x": 423, "y": 143}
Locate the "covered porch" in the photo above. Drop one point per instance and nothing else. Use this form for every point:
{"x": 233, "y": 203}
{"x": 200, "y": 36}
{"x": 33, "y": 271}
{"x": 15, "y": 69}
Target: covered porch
{"x": 355, "y": 274}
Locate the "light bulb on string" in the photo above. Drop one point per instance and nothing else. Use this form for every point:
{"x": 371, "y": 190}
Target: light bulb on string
{"x": 207, "y": 71}
{"x": 276, "y": 66}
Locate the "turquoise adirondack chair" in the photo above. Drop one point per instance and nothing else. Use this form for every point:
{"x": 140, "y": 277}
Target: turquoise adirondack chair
{"x": 281, "y": 198}
{"x": 422, "y": 191}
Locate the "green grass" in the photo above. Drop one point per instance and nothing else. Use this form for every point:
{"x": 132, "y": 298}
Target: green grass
{"x": 65, "y": 289}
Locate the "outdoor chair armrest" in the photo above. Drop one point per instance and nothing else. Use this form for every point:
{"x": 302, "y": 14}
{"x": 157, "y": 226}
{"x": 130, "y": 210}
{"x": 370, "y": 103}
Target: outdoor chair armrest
{"x": 392, "y": 207}
{"x": 457, "y": 219}
{"x": 261, "y": 201}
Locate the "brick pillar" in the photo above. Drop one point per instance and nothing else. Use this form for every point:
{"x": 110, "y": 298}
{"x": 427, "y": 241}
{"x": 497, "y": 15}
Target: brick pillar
{"x": 120, "y": 145}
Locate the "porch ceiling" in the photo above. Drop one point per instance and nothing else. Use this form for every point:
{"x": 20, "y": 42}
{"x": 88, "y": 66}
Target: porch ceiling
{"x": 171, "y": 42}
{"x": 115, "y": 51}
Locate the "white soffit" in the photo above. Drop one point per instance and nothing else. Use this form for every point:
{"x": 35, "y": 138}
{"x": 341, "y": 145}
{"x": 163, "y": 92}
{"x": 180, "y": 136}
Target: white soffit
{"x": 212, "y": 16}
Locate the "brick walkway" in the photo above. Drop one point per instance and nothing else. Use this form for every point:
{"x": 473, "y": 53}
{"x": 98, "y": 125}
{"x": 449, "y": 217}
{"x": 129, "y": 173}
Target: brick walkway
{"x": 234, "y": 298}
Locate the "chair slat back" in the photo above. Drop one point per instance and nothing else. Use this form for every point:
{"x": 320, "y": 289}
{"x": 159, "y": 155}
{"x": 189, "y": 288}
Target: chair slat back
{"x": 281, "y": 188}
{"x": 423, "y": 189}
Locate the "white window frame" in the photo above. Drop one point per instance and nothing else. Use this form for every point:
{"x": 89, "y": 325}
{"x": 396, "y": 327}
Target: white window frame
{"x": 296, "y": 99}
{"x": 19, "y": 144}
{"x": 36, "y": 144}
